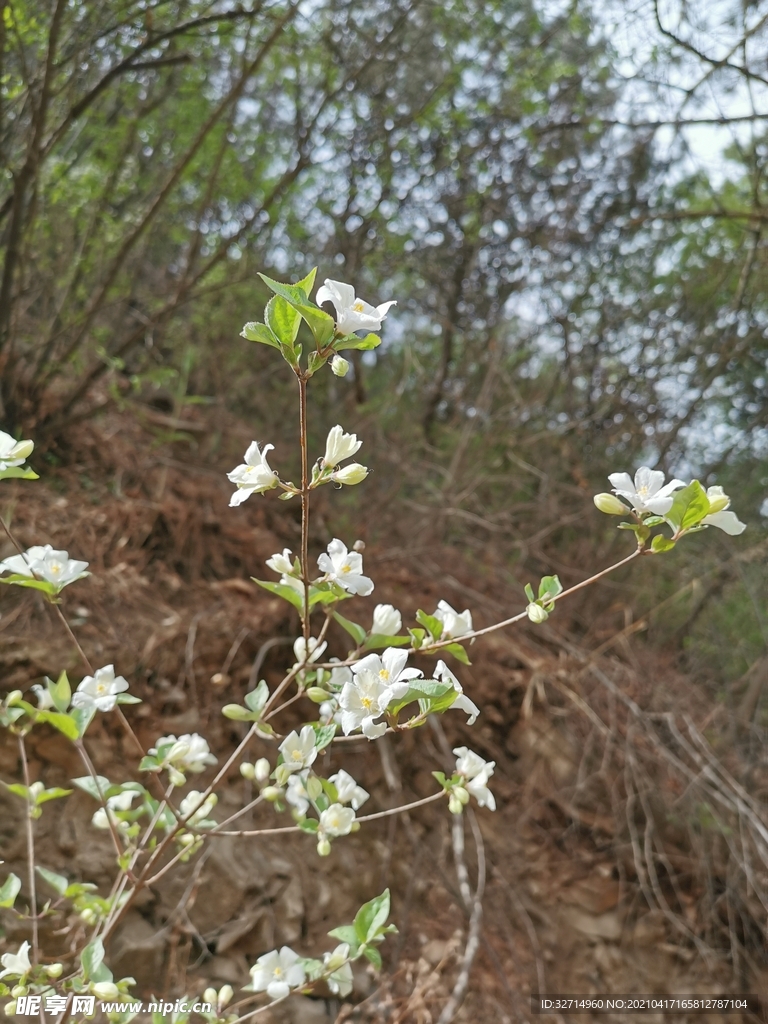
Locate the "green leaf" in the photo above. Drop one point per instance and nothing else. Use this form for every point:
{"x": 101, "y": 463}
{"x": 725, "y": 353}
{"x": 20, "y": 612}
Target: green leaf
{"x": 661, "y": 543}
{"x": 64, "y": 723}
{"x": 355, "y": 631}
{"x": 457, "y": 651}
{"x": 82, "y": 718}
{"x": 365, "y": 344}
{"x": 371, "y": 917}
{"x": 18, "y": 473}
{"x": 89, "y": 786}
{"x": 324, "y": 735}
{"x": 17, "y": 580}
{"x": 372, "y": 954}
{"x": 18, "y": 789}
{"x": 92, "y": 957}
{"x": 436, "y": 705}
{"x": 322, "y": 596}
{"x": 346, "y": 933}
{"x": 315, "y": 361}
{"x": 529, "y": 593}
{"x": 377, "y": 640}
{"x": 61, "y": 693}
{"x": 330, "y": 790}
{"x": 261, "y": 333}
{"x": 417, "y": 637}
{"x": 689, "y": 506}
{"x": 282, "y": 590}
{"x": 128, "y": 698}
{"x": 257, "y": 698}
{"x": 58, "y": 883}
{"x": 282, "y": 320}
{"x": 9, "y": 890}
{"x": 419, "y": 689}
{"x": 549, "y": 588}
{"x": 308, "y": 825}
{"x": 434, "y": 625}
{"x": 320, "y": 323}
{"x": 52, "y": 794}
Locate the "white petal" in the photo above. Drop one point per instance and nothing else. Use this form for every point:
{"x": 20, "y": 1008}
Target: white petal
{"x": 622, "y": 482}
{"x": 240, "y": 495}
{"x": 650, "y": 479}
{"x": 384, "y": 308}
{"x": 373, "y": 731}
{"x": 728, "y": 522}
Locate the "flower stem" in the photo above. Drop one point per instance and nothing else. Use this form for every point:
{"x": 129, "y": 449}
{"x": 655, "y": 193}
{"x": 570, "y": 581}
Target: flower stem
{"x": 30, "y": 856}
{"x": 304, "y": 501}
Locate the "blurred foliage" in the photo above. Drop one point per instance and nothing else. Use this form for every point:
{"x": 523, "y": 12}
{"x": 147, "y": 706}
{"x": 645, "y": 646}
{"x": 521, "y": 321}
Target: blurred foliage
{"x": 574, "y": 298}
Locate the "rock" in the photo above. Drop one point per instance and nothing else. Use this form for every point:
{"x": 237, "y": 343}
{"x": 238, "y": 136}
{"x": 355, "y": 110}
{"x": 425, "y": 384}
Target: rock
{"x": 137, "y": 950}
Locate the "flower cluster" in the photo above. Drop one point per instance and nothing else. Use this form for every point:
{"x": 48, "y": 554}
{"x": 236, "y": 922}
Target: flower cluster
{"x": 47, "y": 564}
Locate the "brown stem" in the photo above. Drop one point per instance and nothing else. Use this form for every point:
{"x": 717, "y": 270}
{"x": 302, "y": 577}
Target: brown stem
{"x": 30, "y": 856}
{"x": 304, "y": 502}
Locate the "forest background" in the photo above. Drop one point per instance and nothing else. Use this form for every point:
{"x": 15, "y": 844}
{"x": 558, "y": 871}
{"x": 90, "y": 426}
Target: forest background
{"x": 567, "y": 201}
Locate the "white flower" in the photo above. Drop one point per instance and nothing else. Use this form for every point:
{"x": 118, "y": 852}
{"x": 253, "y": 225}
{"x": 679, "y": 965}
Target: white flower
{"x": 476, "y": 771}
{"x": 277, "y": 973}
{"x": 454, "y": 623}
{"x": 339, "y": 446}
{"x": 296, "y": 794}
{"x": 119, "y": 802}
{"x": 44, "y": 699}
{"x": 340, "y": 979}
{"x": 339, "y": 675}
{"x": 389, "y": 669}
{"x": 47, "y": 564}
{"x": 350, "y": 475}
{"x": 337, "y": 820}
{"x": 16, "y": 964}
{"x": 281, "y": 563}
{"x": 300, "y": 649}
{"x": 387, "y": 620}
{"x": 13, "y": 453}
{"x": 298, "y": 749}
{"x": 293, "y": 583}
{"x": 100, "y": 691}
{"x": 728, "y": 522}
{"x": 347, "y": 790}
{"x": 345, "y": 568}
{"x": 352, "y": 314}
{"x": 462, "y": 702}
{"x": 362, "y": 702}
{"x": 646, "y": 494}
{"x": 253, "y": 476}
{"x": 188, "y": 753}
{"x": 191, "y": 801}
{"x": 329, "y": 712}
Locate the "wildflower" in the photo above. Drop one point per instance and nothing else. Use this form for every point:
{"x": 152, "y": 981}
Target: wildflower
{"x": 345, "y": 568}
{"x": 347, "y": 790}
{"x": 120, "y": 802}
{"x": 340, "y": 977}
{"x": 389, "y": 669}
{"x": 193, "y": 810}
{"x": 646, "y": 494}
{"x": 339, "y": 446}
{"x": 297, "y": 796}
{"x": 16, "y": 964}
{"x": 13, "y": 453}
{"x": 254, "y": 476}
{"x": 299, "y": 750}
{"x": 105, "y": 990}
{"x": 100, "y": 691}
{"x": 188, "y": 753}
{"x": 337, "y": 820}
{"x": 350, "y": 475}
{"x": 261, "y": 770}
{"x": 387, "y": 620}
{"x": 281, "y": 563}
{"x": 454, "y": 623}
{"x": 476, "y": 771}
{"x": 45, "y": 563}
{"x": 352, "y": 314}
{"x": 277, "y": 973}
{"x": 362, "y": 701}
{"x": 44, "y": 699}
{"x": 293, "y": 583}
{"x": 462, "y": 702}
{"x": 339, "y": 366}
{"x": 300, "y": 650}
{"x": 726, "y": 521}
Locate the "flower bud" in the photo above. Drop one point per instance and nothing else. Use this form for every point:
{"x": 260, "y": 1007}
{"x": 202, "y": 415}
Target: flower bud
{"x": 248, "y": 771}
{"x": 187, "y": 839}
{"x": 175, "y": 777}
{"x": 88, "y": 916}
{"x": 105, "y": 990}
{"x": 536, "y": 613}
{"x": 461, "y": 794}
{"x": 340, "y": 366}
{"x": 54, "y": 970}
{"x": 610, "y": 504}
{"x": 354, "y": 473}
{"x": 225, "y": 995}
{"x": 10, "y": 1009}
{"x": 262, "y": 769}
{"x": 210, "y": 996}
{"x": 19, "y": 990}
{"x": 718, "y": 499}
{"x": 323, "y": 847}
{"x": 455, "y": 806}
{"x": 272, "y": 793}
{"x": 23, "y": 449}
{"x": 13, "y": 698}
{"x": 314, "y": 787}
{"x": 317, "y": 694}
